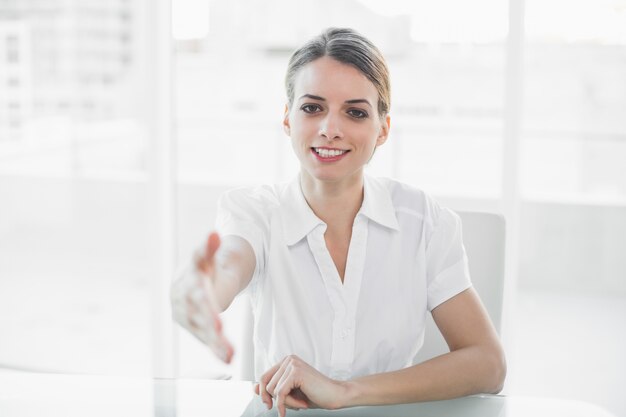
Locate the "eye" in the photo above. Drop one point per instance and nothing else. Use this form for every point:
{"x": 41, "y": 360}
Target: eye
{"x": 311, "y": 108}
{"x": 357, "y": 114}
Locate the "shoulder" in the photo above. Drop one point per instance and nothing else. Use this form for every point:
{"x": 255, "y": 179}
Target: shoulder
{"x": 250, "y": 204}
{"x": 254, "y": 197}
{"x": 411, "y": 200}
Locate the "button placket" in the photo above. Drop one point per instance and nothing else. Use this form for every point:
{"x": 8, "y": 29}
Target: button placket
{"x": 344, "y": 338}
{"x": 343, "y": 345}
{"x": 326, "y": 267}
{"x": 343, "y": 297}
{"x": 334, "y": 290}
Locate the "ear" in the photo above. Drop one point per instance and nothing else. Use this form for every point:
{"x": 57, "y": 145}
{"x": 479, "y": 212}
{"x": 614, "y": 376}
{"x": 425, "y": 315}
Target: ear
{"x": 286, "y": 126}
{"x": 384, "y": 131}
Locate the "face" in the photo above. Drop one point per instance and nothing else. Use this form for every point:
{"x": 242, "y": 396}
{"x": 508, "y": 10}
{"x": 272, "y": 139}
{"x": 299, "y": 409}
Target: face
{"x": 334, "y": 123}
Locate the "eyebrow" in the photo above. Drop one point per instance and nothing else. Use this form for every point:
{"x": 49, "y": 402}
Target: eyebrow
{"x": 353, "y": 101}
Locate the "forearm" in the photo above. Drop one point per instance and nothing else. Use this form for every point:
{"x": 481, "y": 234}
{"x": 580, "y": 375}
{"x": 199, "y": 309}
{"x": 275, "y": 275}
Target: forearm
{"x": 471, "y": 370}
{"x": 226, "y": 286}
{"x": 234, "y": 267}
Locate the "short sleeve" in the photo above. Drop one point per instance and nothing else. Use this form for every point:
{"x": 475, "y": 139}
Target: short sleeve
{"x": 239, "y": 213}
{"x": 447, "y": 267}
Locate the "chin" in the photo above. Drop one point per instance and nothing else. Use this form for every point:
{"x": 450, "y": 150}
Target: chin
{"x": 326, "y": 177}
{"x": 330, "y": 175}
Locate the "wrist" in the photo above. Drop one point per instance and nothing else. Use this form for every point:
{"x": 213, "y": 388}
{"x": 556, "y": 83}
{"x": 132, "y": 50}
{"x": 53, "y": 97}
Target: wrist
{"x": 349, "y": 394}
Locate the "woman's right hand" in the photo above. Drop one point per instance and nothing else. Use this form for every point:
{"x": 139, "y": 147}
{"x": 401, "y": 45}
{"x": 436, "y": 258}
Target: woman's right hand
{"x": 194, "y": 305}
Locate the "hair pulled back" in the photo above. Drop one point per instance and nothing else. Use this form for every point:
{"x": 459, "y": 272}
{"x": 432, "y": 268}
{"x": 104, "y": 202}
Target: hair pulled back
{"x": 348, "y": 47}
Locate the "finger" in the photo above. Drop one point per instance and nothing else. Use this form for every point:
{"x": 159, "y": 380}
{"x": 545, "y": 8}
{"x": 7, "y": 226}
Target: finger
{"x": 266, "y": 397}
{"x": 283, "y": 388}
{"x": 196, "y": 311}
{"x": 211, "y": 315}
{"x": 205, "y": 329}
{"x": 271, "y": 385}
{"x": 188, "y": 285}
{"x": 257, "y": 391}
{"x": 213, "y": 244}
{"x": 180, "y": 309}
{"x": 200, "y": 262}
{"x": 229, "y": 349}
{"x": 206, "y": 324}
{"x": 200, "y": 302}
{"x": 202, "y": 316}
{"x": 197, "y": 306}
{"x": 199, "y": 328}
{"x": 285, "y": 385}
{"x": 220, "y": 347}
{"x": 265, "y": 378}
{"x": 196, "y": 293}
{"x": 217, "y": 323}
{"x": 214, "y": 322}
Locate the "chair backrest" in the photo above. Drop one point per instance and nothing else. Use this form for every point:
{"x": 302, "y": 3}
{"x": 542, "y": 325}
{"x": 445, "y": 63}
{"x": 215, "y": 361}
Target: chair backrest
{"x": 483, "y": 238}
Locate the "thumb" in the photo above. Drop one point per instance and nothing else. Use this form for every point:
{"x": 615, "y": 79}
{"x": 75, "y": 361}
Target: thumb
{"x": 213, "y": 244}
{"x": 203, "y": 257}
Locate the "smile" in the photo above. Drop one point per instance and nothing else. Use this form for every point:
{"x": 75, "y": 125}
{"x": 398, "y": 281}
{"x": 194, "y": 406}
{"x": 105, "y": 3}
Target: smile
{"x": 328, "y": 155}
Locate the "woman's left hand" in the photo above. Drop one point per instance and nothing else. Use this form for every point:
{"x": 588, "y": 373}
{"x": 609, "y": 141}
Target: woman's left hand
{"x": 293, "y": 383}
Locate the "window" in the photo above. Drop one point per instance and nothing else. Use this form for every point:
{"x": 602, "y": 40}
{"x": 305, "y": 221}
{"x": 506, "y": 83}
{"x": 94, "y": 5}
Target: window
{"x": 76, "y": 193}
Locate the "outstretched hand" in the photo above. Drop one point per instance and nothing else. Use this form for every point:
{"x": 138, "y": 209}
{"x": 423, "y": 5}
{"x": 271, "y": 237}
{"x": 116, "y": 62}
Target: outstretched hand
{"x": 293, "y": 383}
{"x": 194, "y": 303}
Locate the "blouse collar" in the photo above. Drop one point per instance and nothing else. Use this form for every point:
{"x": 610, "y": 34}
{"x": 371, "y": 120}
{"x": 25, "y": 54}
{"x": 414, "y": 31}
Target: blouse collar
{"x": 298, "y": 219}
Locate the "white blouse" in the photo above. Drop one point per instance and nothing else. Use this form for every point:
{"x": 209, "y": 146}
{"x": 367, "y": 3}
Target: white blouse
{"x": 406, "y": 257}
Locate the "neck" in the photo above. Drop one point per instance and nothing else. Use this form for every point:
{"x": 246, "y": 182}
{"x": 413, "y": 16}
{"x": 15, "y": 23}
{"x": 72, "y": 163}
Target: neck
{"x": 336, "y": 203}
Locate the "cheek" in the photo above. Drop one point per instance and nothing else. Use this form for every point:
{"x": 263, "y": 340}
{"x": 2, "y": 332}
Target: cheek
{"x": 301, "y": 129}
{"x": 368, "y": 137}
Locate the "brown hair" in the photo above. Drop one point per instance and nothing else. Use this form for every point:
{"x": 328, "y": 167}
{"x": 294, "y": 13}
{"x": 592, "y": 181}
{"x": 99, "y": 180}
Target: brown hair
{"x": 349, "y": 47}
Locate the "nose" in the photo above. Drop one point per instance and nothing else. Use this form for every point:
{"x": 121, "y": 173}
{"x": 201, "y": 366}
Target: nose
{"x": 330, "y": 127}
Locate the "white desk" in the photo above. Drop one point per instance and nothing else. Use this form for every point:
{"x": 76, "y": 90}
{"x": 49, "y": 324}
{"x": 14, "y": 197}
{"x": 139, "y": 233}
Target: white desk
{"x": 46, "y": 395}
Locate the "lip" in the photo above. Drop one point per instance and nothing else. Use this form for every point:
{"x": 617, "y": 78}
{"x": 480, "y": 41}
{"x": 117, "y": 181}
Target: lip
{"x": 330, "y": 158}
{"x": 326, "y": 147}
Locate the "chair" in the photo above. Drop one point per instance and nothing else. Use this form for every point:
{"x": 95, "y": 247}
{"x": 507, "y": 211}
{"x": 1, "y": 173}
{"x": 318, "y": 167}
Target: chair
{"x": 483, "y": 238}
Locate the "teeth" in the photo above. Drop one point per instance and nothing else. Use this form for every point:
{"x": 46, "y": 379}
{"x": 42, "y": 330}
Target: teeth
{"x": 326, "y": 153}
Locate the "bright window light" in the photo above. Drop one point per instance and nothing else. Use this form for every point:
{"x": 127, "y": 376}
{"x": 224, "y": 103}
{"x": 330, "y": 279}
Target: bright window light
{"x": 599, "y": 21}
{"x": 449, "y": 21}
{"x": 190, "y": 19}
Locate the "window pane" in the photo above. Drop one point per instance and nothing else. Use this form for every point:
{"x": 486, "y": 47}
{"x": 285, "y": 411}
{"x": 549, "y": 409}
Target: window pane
{"x": 574, "y": 131}
{"x": 75, "y": 216}
{"x": 574, "y": 144}
{"x": 573, "y": 183}
{"x": 448, "y": 126}
{"x": 574, "y": 100}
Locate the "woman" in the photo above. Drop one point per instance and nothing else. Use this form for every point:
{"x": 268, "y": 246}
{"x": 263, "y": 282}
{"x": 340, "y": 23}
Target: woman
{"x": 342, "y": 268}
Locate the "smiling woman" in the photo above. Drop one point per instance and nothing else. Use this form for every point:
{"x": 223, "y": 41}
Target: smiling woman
{"x": 341, "y": 267}
{"x": 333, "y": 120}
